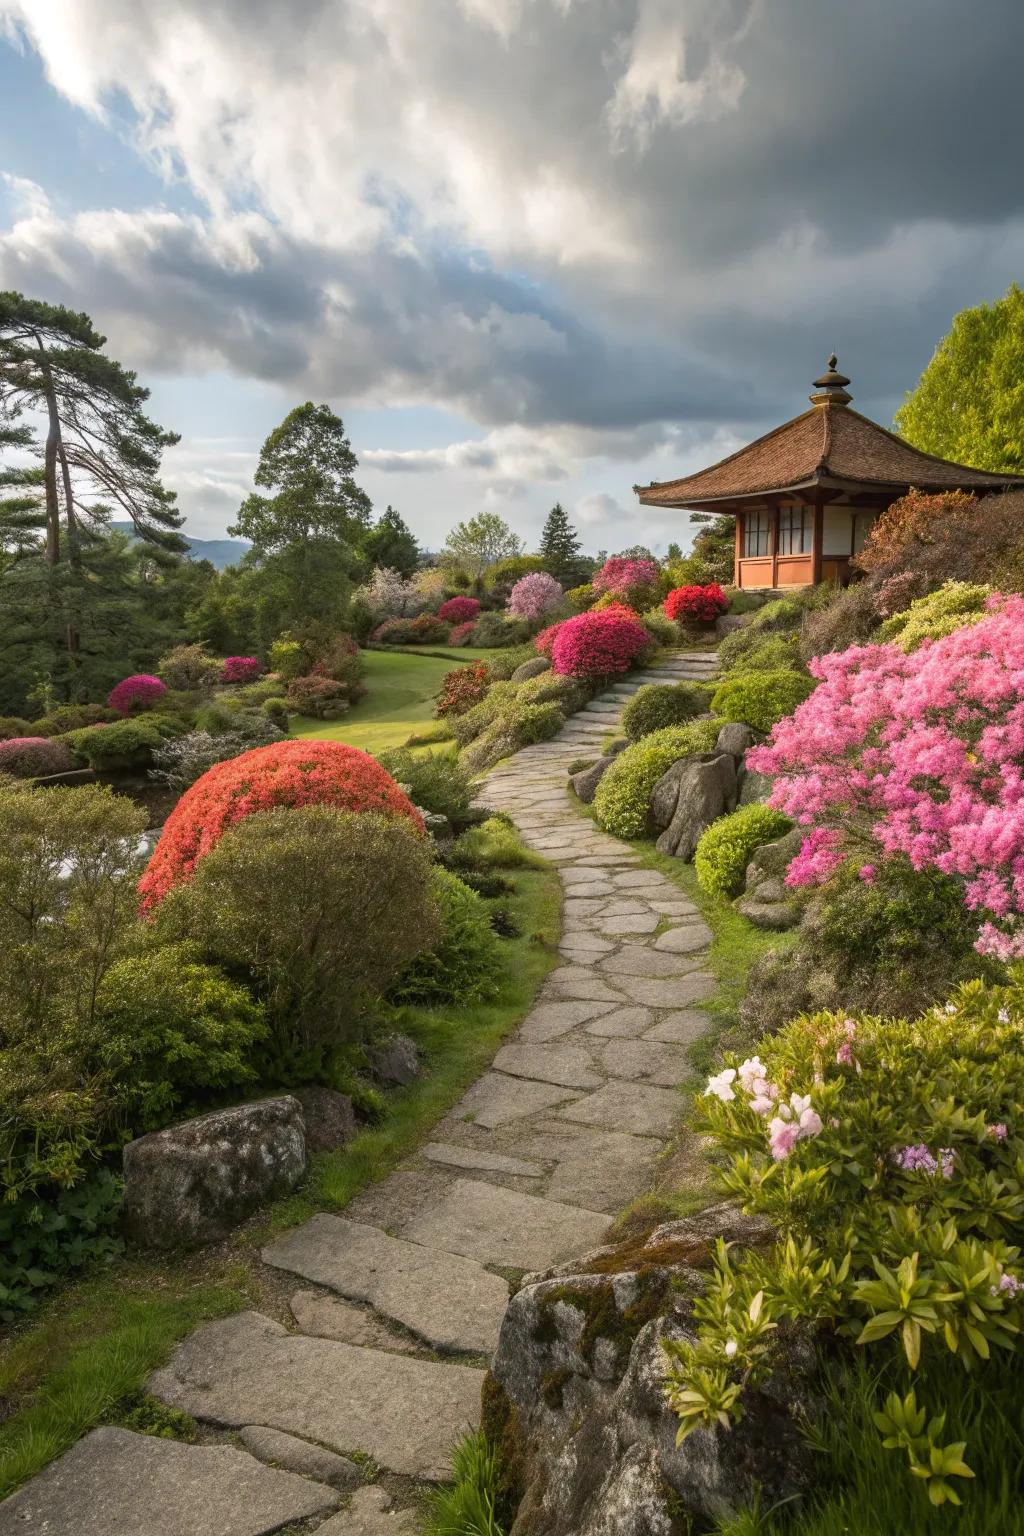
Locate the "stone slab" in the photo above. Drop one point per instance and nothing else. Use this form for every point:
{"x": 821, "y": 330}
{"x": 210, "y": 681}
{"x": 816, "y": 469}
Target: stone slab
{"x": 672, "y": 992}
{"x": 648, "y": 1061}
{"x": 116, "y": 1483}
{"x": 405, "y": 1413}
{"x": 684, "y": 940}
{"x": 501, "y": 1226}
{"x": 680, "y": 1028}
{"x": 451, "y": 1302}
{"x": 549, "y": 1020}
{"x": 637, "y": 960}
{"x": 477, "y": 1158}
{"x": 496, "y": 1098}
{"x": 569, "y": 1066}
{"x": 300, "y": 1456}
{"x": 621, "y": 1023}
{"x": 330, "y": 1317}
{"x": 369, "y": 1513}
{"x": 637, "y": 922}
{"x": 582, "y": 982}
{"x": 644, "y": 880}
{"x": 605, "y": 1170}
{"x": 632, "y": 1107}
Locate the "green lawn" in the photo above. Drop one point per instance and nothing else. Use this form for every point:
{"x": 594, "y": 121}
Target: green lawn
{"x": 401, "y": 688}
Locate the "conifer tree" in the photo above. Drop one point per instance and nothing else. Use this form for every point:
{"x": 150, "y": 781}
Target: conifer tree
{"x": 560, "y": 547}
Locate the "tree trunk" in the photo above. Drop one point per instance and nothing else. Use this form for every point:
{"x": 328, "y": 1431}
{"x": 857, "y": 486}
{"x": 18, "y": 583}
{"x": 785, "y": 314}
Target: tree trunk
{"x": 54, "y": 453}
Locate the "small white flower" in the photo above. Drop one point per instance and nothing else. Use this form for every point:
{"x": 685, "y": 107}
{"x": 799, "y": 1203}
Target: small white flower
{"x": 749, "y": 1071}
{"x": 950, "y": 1008}
{"x": 730, "y": 1348}
{"x": 801, "y": 1102}
{"x": 1003, "y": 1015}
{"x": 721, "y": 1086}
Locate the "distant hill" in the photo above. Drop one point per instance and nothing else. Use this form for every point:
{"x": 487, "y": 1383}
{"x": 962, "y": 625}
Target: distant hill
{"x": 219, "y": 552}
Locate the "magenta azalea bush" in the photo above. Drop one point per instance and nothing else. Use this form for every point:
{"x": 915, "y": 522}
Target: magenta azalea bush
{"x": 459, "y": 610}
{"x": 634, "y": 581}
{"x": 598, "y": 644}
{"x": 132, "y": 694}
{"x": 534, "y": 596}
{"x": 240, "y": 669}
{"x": 920, "y": 754}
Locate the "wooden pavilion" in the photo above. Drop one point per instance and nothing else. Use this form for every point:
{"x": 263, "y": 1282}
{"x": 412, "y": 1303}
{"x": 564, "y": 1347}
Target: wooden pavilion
{"x": 805, "y": 495}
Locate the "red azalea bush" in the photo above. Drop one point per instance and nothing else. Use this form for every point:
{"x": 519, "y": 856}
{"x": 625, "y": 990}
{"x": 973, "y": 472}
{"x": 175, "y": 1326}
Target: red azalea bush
{"x": 635, "y": 581}
{"x": 288, "y": 773}
{"x": 34, "y": 757}
{"x": 461, "y": 633}
{"x": 544, "y": 640}
{"x": 598, "y": 644}
{"x": 240, "y": 669}
{"x": 457, "y": 610}
{"x": 696, "y": 605}
{"x": 132, "y": 694}
{"x": 462, "y": 688}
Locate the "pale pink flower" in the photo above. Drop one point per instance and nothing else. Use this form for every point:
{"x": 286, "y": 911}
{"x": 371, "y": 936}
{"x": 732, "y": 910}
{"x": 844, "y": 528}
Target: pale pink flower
{"x": 721, "y": 1086}
{"x": 844, "y": 1055}
{"x": 783, "y": 1136}
{"x": 998, "y": 1131}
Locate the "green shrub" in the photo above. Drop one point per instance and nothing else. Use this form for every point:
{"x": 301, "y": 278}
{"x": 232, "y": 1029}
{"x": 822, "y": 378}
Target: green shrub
{"x": 43, "y": 1238}
{"x": 276, "y": 711}
{"x": 517, "y": 727}
{"x": 569, "y": 693}
{"x": 893, "y": 1183}
{"x": 761, "y": 698}
{"x": 14, "y": 725}
{"x": 623, "y": 795}
{"x": 955, "y": 604}
{"x": 773, "y": 653}
{"x": 471, "y": 1505}
{"x": 189, "y": 669}
{"x": 463, "y": 964}
{"x": 494, "y": 844}
{"x": 580, "y": 764}
{"x": 288, "y": 658}
{"x": 658, "y": 705}
{"x": 264, "y": 690}
{"x": 662, "y": 630}
{"x": 501, "y": 667}
{"x": 499, "y": 698}
{"x": 850, "y": 618}
{"x": 724, "y": 849}
{"x": 180, "y": 762}
{"x": 319, "y": 910}
{"x": 125, "y": 744}
{"x": 70, "y": 717}
{"x": 172, "y": 1033}
{"x": 497, "y": 629}
{"x": 435, "y": 781}
{"x": 741, "y": 602}
{"x": 581, "y": 598}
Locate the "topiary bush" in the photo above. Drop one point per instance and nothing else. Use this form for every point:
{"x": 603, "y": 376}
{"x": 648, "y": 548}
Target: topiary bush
{"x": 320, "y": 909}
{"x": 187, "y": 668}
{"x": 657, "y": 705}
{"x": 623, "y": 796}
{"x": 462, "y": 688}
{"x": 696, "y": 604}
{"x": 123, "y": 745}
{"x": 289, "y": 773}
{"x": 725, "y": 848}
{"x": 955, "y": 604}
{"x": 134, "y": 694}
{"x": 34, "y": 757}
{"x": 503, "y": 666}
{"x": 434, "y": 781}
{"x": 70, "y": 717}
{"x": 595, "y": 645}
{"x": 459, "y": 610}
{"x": 761, "y": 698}
{"x": 240, "y": 669}
{"x": 461, "y": 966}
{"x": 535, "y": 596}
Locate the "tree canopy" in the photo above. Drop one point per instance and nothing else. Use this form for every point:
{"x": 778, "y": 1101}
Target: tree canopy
{"x": 480, "y": 541}
{"x": 390, "y": 544}
{"x": 969, "y": 403}
{"x": 308, "y": 465}
{"x": 560, "y": 547}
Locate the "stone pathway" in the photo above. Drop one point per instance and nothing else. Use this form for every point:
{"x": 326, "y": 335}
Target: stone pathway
{"x": 384, "y": 1366}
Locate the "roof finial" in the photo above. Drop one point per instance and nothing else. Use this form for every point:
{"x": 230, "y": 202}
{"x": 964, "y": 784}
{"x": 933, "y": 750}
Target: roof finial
{"x": 830, "y": 389}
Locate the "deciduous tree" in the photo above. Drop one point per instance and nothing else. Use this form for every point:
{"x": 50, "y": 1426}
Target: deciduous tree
{"x": 480, "y": 541}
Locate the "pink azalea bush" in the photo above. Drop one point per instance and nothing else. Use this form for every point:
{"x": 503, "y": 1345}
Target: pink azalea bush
{"x": 598, "y": 644}
{"x": 135, "y": 693}
{"x": 240, "y": 669}
{"x": 920, "y": 754}
{"x": 635, "y": 581}
{"x": 535, "y": 595}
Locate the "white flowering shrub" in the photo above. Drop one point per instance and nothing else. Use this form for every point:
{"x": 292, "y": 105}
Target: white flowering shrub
{"x": 889, "y": 1159}
{"x": 387, "y": 594}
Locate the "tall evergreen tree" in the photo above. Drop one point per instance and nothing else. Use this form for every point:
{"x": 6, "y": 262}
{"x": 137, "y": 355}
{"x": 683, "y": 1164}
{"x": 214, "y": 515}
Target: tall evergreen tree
{"x": 22, "y": 515}
{"x": 391, "y": 544}
{"x": 560, "y": 547}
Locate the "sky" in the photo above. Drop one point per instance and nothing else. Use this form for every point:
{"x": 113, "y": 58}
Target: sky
{"x": 529, "y": 250}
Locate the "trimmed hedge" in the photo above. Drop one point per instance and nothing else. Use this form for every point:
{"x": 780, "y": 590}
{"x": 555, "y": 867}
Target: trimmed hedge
{"x": 726, "y": 847}
{"x": 761, "y": 698}
{"x": 658, "y": 705}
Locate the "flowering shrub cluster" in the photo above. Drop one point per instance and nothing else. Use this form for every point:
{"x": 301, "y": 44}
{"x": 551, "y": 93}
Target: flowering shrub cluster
{"x": 635, "y": 581}
{"x": 131, "y": 694}
{"x": 544, "y": 640}
{"x": 535, "y": 595}
{"x": 387, "y": 592}
{"x": 888, "y": 1158}
{"x": 696, "y": 605}
{"x": 458, "y": 610}
{"x": 462, "y": 688}
{"x": 33, "y": 757}
{"x": 289, "y": 773}
{"x": 598, "y": 644}
{"x": 240, "y": 669}
{"x": 461, "y": 633}
{"x": 919, "y": 754}
{"x": 317, "y": 697}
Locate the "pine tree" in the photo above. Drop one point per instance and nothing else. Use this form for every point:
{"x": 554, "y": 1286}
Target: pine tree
{"x": 22, "y": 516}
{"x": 560, "y": 547}
{"x": 391, "y": 545}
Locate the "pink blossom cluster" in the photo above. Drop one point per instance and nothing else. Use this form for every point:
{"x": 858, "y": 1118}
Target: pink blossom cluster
{"x": 626, "y": 578}
{"x": 597, "y": 644}
{"x": 240, "y": 669}
{"x": 922, "y": 752}
{"x": 140, "y": 691}
{"x": 818, "y": 856}
{"x": 1008, "y": 1285}
{"x": 535, "y": 595}
{"x": 918, "y": 1159}
{"x": 794, "y": 1121}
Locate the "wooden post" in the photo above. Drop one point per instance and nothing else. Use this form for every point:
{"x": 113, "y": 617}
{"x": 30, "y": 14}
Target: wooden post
{"x": 738, "y": 556}
{"x": 773, "y": 545}
{"x": 819, "y": 537}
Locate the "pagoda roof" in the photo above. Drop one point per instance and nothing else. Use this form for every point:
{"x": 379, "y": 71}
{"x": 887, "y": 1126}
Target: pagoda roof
{"x": 829, "y": 445}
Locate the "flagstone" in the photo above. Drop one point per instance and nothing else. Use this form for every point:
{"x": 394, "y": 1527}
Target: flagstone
{"x": 503, "y": 1227}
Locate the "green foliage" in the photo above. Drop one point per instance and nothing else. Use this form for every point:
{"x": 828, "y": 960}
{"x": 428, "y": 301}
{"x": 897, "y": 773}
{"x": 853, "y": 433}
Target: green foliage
{"x": 173, "y": 1033}
{"x": 480, "y": 542}
{"x": 188, "y": 668}
{"x": 760, "y": 698}
{"x": 773, "y": 653}
{"x": 288, "y": 658}
{"x": 501, "y": 577}
{"x": 724, "y": 849}
{"x": 560, "y": 552}
{"x": 955, "y": 604}
{"x": 850, "y": 618}
{"x": 276, "y": 711}
{"x": 43, "y": 1239}
{"x": 308, "y": 464}
{"x": 581, "y": 598}
{"x": 434, "y": 781}
{"x": 623, "y": 795}
{"x": 469, "y": 1507}
{"x": 494, "y": 844}
{"x": 149, "y": 1416}
{"x": 501, "y": 667}
{"x": 498, "y": 630}
{"x": 898, "y": 1204}
{"x": 518, "y": 726}
{"x": 69, "y": 717}
{"x": 318, "y": 911}
{"x": 390, "y": 544}
{"x": 662, "y": 630}
{"x": 123, "y": 744}
{"x": 463, "y": 964}
{"x": 657, "y": 705}
{"x": 969, "y": 403}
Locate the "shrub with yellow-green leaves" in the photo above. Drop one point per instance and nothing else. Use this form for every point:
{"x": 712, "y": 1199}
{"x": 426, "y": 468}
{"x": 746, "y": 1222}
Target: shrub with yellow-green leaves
{"x": 624, "y": 793}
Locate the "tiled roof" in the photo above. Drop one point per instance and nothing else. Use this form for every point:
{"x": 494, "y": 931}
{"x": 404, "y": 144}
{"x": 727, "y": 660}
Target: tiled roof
{"x": 828, "y": 442}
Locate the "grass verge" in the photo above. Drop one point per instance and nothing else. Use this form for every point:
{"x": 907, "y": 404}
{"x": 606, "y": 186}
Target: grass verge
{"x": 87, "y": 1353}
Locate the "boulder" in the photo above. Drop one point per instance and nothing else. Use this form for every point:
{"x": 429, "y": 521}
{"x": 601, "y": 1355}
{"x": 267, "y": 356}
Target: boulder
{"x": 768, "y": 903}
{"x": 532, "y": 668}
{"x": 396, "y": 1062}
{"x": 706, "y": 790}
{"x": 775, "y": 916}
{"x": 727, "y": 623}
{"x": 586, "y": 781}
{"x": 754, "y": 787}
{"x": 771, "y": 860}
{"x": 665, "y": 794}
{"x": 329, "y": 1117}
{"x": 191, "y": 1183}
{"x": 735, "y": 737}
